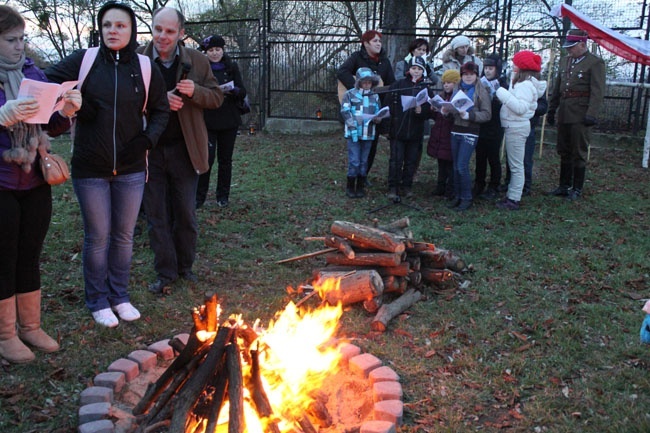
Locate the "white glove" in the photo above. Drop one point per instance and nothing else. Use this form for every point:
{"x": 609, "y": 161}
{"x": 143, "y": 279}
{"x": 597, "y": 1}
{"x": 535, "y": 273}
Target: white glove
{"x": 72, "y": 104}
{"x": 17, "y": 110}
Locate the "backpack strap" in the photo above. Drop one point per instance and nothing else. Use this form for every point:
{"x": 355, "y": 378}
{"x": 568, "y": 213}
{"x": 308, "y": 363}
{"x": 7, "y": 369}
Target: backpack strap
{"x": 145, "y": 67}
{"x": 89, "y": 58}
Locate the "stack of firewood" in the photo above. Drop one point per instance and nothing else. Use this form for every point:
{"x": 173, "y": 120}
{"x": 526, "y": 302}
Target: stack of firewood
{"x": 370, "y": 262}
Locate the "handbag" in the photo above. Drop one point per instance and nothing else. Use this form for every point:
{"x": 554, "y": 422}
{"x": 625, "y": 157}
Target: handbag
{"x": 54, "y": 168}
{"x": 244, "y": 106}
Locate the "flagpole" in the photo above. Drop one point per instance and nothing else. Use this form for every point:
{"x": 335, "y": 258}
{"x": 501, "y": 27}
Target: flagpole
{"x": 551, "y": 62}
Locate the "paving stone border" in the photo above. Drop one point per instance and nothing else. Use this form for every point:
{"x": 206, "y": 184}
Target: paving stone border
{"x": 98, "y": 409}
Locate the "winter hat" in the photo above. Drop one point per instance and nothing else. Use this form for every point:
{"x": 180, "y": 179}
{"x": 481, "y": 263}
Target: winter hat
{"x": 527, "y": 61}
{"x": 451, "y": 76}
{"x": 366, "y": 74}
{"x": 493, "y": 59}
{"x": 460, "y": 41}
{"x": 469, "y": 68}
{"x": 420, "y": 63}
{"x": 574, "y": 37}
{"x": 212, "y": 41}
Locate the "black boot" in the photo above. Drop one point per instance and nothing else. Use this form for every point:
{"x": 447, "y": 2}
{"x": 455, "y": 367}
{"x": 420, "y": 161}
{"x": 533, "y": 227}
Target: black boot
{"x": 361, "y": 184}
{"x": 578, "y": 183}
{"x": 566, "y": 174}
{"x": 350, "y": 189}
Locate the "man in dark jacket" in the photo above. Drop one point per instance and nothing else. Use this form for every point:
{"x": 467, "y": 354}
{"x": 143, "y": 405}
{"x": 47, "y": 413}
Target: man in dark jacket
{"x": 371, "y": 55}
{"x": 577, "y": 97}
{"x": 182, "y": 152}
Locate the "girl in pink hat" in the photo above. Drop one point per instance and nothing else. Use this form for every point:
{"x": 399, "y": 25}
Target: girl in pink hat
{"x": 519, "y": 104}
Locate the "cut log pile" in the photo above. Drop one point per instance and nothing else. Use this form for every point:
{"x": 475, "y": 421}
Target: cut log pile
{"x": 190, "y": 394}
{"x": 370, "y": 262}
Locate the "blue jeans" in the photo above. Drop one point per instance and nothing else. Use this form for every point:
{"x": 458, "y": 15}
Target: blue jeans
{"x": 170, "y": 205}
{"x": 109, "y": 209}
{"x": 358, "y": 157}
{"x": 462, "y": 148}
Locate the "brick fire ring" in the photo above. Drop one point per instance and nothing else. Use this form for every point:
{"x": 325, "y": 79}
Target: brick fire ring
{"x": 105, "y": 406}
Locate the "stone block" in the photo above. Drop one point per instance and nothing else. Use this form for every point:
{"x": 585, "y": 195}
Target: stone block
{"x": 383, "y": 374}
{"x": 363, "y": 364}
{"x": 377, "y": 427}
{"x": 101, "y": 426}
{"x": 94, "y": 412}
{"x": 112, "y": 379}
{"x": 126, "y": 366}
{"x": 146, "y": 360}
{"x": 386, "y": 391}
{"x": 389, "y": 410}
{"x": 96, "y": 394}
{"x": 162, "y": 349}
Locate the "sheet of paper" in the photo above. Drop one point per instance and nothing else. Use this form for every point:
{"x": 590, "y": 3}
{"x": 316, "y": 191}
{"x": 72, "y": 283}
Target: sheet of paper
{"x": 381, "y": 114}
{"x": 49, "y": 96}
{"x": 227, "y": 86}
{"x": 436, "y": 101}
{"x": 460, "y": 101}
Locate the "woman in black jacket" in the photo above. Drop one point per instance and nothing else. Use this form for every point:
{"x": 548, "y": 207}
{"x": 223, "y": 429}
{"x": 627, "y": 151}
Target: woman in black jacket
{"x": 222, "y": 123}
{"x": 109, "y": 157}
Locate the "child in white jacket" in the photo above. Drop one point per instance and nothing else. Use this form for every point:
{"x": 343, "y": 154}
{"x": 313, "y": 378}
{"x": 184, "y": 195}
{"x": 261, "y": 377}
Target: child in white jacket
{"x": 519, "y": 104}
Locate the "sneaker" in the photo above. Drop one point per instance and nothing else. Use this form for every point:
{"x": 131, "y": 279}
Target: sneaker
{"x": 508, "y": 204}
{"x": 106, "y": 318}
{"x": 127, "y": 312}
{"x": 222, "y": 203}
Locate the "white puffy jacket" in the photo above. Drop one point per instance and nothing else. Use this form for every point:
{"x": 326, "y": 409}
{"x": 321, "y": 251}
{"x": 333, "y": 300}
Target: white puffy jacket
{"x": 520, "y": 101}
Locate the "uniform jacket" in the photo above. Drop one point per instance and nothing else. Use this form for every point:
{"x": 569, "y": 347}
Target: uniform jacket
{"x": 481, "y": 112}
{"x": 407, "y": 125}
{"x": 361, "y": 59}
{"x": 227, "y": 116}
{"x": 449, "y": 60}
{"x": 579, "y": 89}
{"x": 439, "y": 145}
{"x": 355, "y": 104}
{"x": 520, "y": 102}
{"x": 207, "y": 94}
{"x": 12, "y": 176}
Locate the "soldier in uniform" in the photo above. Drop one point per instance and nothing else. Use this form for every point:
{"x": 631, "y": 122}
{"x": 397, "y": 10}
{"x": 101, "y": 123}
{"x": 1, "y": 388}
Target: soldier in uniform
{"x": 577, "y": 97}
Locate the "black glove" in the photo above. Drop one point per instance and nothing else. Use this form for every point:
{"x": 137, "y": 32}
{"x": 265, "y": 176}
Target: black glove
{"x": 589, "y": 121}
{"x": 135, "y": 149}
{"x": 550, "y": 118}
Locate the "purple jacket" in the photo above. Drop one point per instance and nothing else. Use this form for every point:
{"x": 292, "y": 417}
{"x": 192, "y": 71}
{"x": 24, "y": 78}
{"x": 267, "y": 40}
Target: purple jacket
{"x": 12, "y": 176}
{"x": 439, "y": 145}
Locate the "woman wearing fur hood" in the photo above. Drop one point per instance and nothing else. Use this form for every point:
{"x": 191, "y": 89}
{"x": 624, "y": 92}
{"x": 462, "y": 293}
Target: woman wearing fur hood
{"x": 519, "y": 104}
{"x": 459, "y": 53}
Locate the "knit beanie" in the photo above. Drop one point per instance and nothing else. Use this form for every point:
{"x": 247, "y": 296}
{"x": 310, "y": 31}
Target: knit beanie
{"x": 212, "y": 41}
{"x": 460, "y": 41}
{"x": 451, "y": 76}
{"x": 527, "y": 61}
{"x": 469, "y": 67}
{"x": 420, "y": 63}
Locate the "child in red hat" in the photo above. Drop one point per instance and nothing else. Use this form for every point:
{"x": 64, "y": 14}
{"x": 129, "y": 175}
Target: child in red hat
{"x": 519, "y": 104}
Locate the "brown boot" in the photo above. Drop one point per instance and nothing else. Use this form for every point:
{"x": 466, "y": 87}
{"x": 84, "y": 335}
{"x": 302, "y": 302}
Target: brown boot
{"x": 11, "y": 348}
{"x": 28, "y": 306}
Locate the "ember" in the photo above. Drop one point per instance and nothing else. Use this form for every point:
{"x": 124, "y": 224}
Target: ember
{"x": 245, "y": 377}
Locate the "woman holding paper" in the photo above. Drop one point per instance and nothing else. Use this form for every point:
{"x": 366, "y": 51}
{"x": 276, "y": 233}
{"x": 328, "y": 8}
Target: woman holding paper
{"x": 464, "y": 133}
{"x": 223, "y": 122}
{"x": 519, "y": 104}
{"x": 25, "y": 197}
{"x": 109, "y": 158}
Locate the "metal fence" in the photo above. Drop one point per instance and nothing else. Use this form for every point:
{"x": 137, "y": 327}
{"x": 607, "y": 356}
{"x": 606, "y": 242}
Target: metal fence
{"x": 290, "y": 53}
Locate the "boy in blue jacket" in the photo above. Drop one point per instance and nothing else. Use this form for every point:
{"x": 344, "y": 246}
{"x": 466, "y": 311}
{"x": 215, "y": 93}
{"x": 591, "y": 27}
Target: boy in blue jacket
{"x": 358, "y": 106}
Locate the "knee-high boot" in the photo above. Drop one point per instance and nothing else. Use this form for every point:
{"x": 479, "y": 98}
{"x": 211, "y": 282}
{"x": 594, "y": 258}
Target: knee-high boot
{"x": 11, "y": 348}
{"x": 578, "y": 183}
{"x": 29, "y": 322}
{"x": 566, "y": 176}
{"x": 350, "y": 189}
{"x": 361, "y": 185}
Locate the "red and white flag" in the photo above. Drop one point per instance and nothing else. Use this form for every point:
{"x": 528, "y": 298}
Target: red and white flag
{"x": 633, "y": 49}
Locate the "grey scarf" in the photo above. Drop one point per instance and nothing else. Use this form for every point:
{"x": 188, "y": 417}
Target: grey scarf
{"x": 25, "y": 137}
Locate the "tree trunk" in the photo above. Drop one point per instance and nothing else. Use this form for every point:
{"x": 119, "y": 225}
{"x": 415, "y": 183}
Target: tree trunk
{"x": 399, "y": 23}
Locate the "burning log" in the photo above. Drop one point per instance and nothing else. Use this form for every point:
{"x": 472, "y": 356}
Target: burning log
{"x": 258, "y": 395}
{"x": 236, "y": 423}
{"x": 368, "y": 237}
{"x": 365, "y": 259}
{"x": 389, "y": 311}
{"x": 353, "y": 287}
